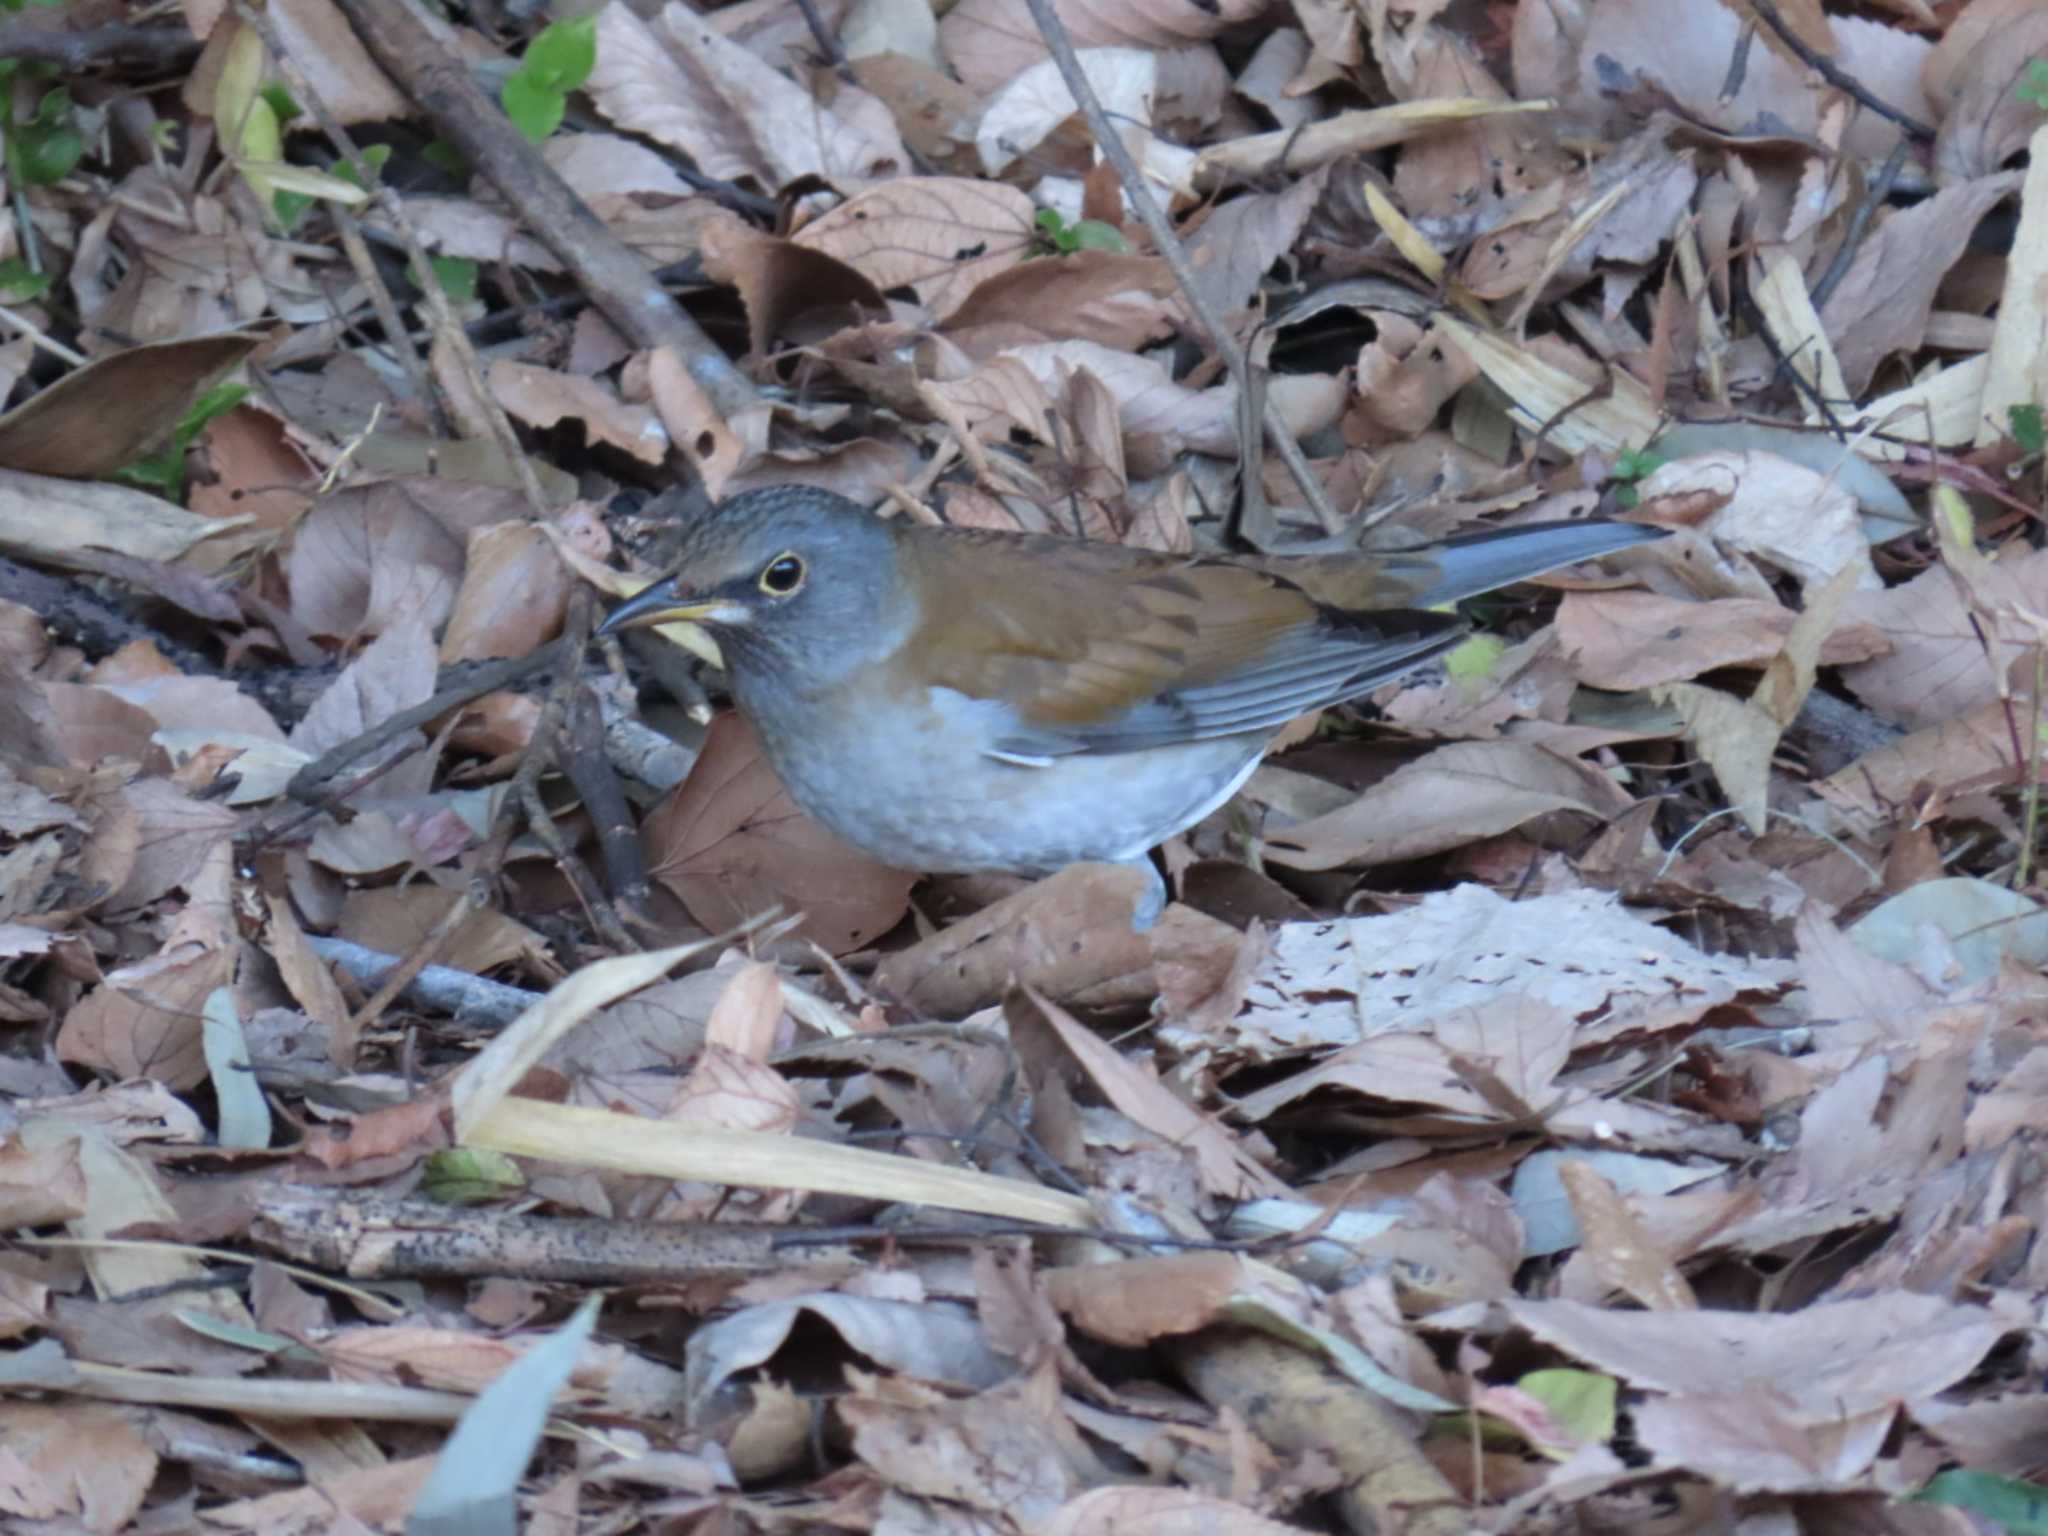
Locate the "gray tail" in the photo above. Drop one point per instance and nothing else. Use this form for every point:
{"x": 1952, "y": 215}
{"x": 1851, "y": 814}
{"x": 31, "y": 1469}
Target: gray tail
{"x": 1479, "y": 562}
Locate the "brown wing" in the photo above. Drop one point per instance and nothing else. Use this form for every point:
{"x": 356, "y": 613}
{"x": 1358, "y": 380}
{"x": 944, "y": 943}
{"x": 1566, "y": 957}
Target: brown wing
{"x": 1105, "y": 649}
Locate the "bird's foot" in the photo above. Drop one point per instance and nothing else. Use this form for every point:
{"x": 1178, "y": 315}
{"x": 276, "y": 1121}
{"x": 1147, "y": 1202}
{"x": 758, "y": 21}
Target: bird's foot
{"x": 1151, "y": 900}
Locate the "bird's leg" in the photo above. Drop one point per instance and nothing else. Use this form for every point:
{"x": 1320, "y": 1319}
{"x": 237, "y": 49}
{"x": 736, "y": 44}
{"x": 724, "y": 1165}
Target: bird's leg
{"x": 1151, "y": 900}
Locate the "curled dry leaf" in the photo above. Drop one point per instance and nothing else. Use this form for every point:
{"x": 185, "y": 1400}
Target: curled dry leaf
{"x": 544, "y": 397}
{"x": 791, "y": 290}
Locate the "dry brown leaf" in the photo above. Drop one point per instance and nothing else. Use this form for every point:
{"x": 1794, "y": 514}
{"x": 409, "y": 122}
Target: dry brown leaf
{"x": 1883, "y": 301}
{"x": 989, "y": 42}
{"x": 678, "y": 81}
{"x": 1624, "y": 640}
{"x": 1975, "y": 73}
{"x": 731, "y": 845}
{"x": 1455, "y": 795}
{"x": 941, "y": 236}
{"x": 116, "y": 408}
{"x": 394, "y": 919}
{"x": 365, "y": 560}
{"x": 545, "y": 397}
{"x": 1121, "y": 301}
{"x": 792, "y": 290}
{"x": 514, "y": 593}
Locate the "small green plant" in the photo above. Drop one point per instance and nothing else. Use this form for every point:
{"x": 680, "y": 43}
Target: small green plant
{"x": 456, "y": 274}
{"x": 289, "y": 206}
{"x": 43, "y": 150}
{"x": 1082, "y": 235}
{"x": 556, "y": 62}
{"x": 164, "y": 470}
{"x": 2020, "y": 1507}
{"x": 16, "y": 7}
{"x": 2027, "y": 428}
{"x": 2034, "y": 89}
{"x": 20, "y": 283}
{"x": 1634, "y": 465}
{"x": 444, "y": 156}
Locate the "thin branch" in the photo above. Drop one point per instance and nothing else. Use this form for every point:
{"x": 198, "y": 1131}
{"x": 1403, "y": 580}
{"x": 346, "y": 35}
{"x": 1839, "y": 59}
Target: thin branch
{"x": 1859, "y": 222}
{"x": 1174, "y": 254}
{"x": 160, "y": 49}
{"x": 1833, "y": 73}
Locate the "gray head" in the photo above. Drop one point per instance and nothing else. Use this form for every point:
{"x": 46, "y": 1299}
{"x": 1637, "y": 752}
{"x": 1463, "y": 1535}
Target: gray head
{"x": 789, "y": 580}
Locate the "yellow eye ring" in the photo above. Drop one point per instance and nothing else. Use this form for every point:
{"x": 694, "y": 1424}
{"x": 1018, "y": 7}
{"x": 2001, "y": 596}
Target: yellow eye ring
{"x": 784, "y": 575}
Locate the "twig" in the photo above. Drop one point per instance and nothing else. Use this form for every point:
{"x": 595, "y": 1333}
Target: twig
{"x": 1149, "y": 213}
{"x": 164, "y": 49}
{"x": 471, "y": 901}
{"x": 56, "y": 349}
{"x": 828, "y": 45}
{"x": 583, "y": 758}
{"x": 475, "y": 1001}
{"x": 375, "y": 1238}
{"x": 1873, "y": 198}
{"x": 546, "y": 746}
{"x": 309, "y": 784}
{"x": 1832, "y": 72}
{"x": 2032, "y": 822}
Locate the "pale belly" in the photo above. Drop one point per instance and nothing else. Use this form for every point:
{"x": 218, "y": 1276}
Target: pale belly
{"x": 918, "y": 796}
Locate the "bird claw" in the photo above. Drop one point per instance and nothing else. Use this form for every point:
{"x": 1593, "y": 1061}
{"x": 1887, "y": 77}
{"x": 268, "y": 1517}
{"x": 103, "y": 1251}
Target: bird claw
{"x": 1152, "y": 900}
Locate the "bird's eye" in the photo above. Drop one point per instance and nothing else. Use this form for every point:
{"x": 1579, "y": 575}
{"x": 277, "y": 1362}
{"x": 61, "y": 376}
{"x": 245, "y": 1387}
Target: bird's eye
{"x": 781, "y": 576}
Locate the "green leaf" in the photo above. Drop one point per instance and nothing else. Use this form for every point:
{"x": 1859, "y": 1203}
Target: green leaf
{"x": 374, "y": 156}
{"x": 290, "y": 207}
{"x": 1581, "y": 1401}
{"x": 262, "y": 136}
{"x": 2034, "y": 89}
{"x": 1636, "y": 463}
{"x": 19, "y": 282}
{"x": 1095, "y": 235}
{"x": 43, "y": 150}
{"x": 282, "y": 102}
{"x": 164, "y": 470}
{"x": 444, "y": 156}
{"x": 563, "y": 54}
{"x": 2027, "y": 428}
{"x": 456, "y": 275}
{"x": 2022, "y": 1508}
{"x": 470, "y": 1176}
{"x": 535, "y": 107}
{"x": 1473, "y": 660}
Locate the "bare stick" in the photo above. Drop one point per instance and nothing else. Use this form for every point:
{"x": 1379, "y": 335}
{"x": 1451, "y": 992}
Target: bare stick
{"x": 1149, "y": 213}
{"x": 1833, "y": 73}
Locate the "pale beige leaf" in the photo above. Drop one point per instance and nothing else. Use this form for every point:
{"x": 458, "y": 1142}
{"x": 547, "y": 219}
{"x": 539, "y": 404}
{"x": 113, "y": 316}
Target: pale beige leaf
{"x": 938, "y": 235}
{"x": 1453, "y": 796}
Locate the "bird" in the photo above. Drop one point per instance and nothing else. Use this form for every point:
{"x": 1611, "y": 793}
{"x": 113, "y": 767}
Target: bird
{"x": 953, "y": 700}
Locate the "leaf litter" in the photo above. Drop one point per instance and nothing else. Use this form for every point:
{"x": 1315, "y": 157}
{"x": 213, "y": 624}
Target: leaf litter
{"x": 1594, "y": 1086}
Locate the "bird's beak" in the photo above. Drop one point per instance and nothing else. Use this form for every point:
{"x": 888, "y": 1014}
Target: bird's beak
{"x": 664, "y": 602}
